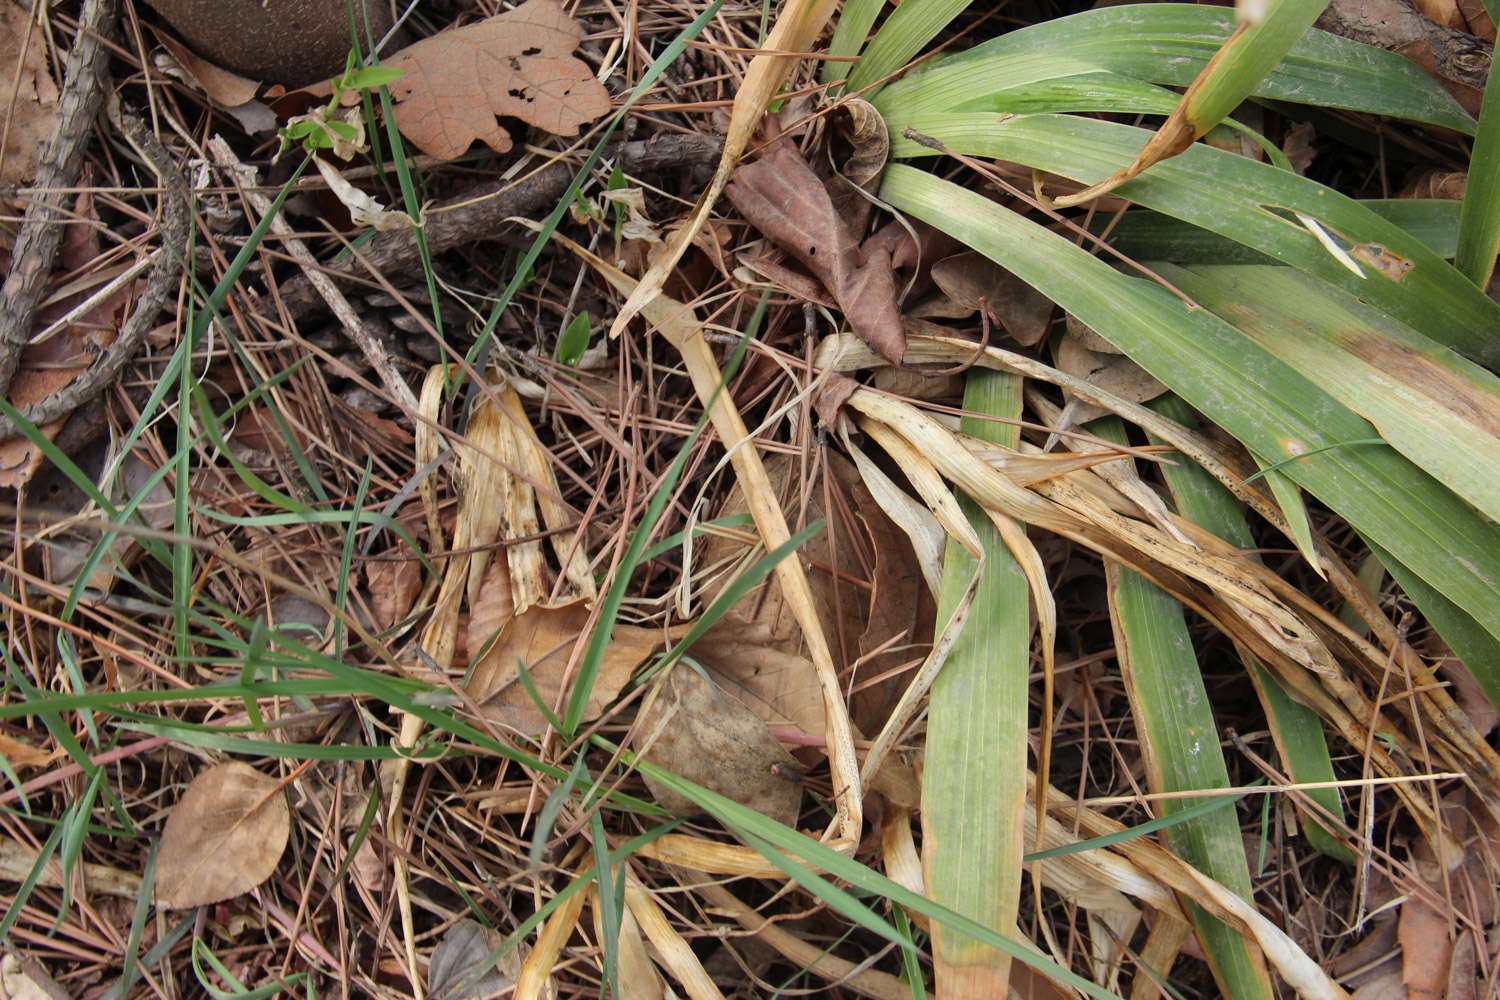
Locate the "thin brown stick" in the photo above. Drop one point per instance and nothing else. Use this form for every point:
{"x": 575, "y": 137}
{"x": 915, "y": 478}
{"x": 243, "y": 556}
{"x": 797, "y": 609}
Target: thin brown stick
{"x": 61, "y": 160}
{"x": 165, "y": 263}
{"x": 357, "y": 330}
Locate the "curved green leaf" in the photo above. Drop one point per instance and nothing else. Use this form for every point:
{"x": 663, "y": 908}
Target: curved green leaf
{"x": 1251, "y": 203}
{"x": 1249, "y": 392}
{"x": 1168, "y": 44}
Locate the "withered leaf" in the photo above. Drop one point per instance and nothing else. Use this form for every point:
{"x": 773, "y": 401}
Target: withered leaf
{"x": 222, "y": 838}
{"x": 542, "y": 638}
{"x": 757, "y": 645}
{"x": 971, "y": 280}
{"x": 221, "y": 86}
{"x": 781, "y": 196}
{"x": 34, "y": 105}
{"x": 394, "y": 585}
{"x": 456, "y": 84}
{"x": 706, "y": 736}
{"x": 454, "y": 973}
{"x": 1113, "y": 372}
{"x": 24, "y": 978}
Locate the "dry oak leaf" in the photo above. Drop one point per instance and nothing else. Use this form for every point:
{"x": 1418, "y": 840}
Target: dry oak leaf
{"x": 223, "y": 837}
{"x": 456, "y": 84}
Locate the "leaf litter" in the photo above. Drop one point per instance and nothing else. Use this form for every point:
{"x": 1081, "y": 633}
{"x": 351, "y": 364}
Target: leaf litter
{"x": 526, "y": 576}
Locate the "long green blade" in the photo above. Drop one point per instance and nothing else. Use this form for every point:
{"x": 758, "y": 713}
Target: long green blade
{"x": 1168, "y": 44}
{"x": 974, "y": 786}
{"x": 1237, "y": 384}
{"x": 1251, "y": 203}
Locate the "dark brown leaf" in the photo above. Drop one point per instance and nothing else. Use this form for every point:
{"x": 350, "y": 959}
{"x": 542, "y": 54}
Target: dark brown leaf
{"x": 972, "y": 280}
{"x": 223, "y": 837}
{"x": 781, "y": 196}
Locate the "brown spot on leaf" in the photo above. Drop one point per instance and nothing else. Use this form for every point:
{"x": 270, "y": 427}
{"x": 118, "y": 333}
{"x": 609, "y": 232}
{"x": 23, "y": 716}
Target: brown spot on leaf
{"x": 1424, "y": 375}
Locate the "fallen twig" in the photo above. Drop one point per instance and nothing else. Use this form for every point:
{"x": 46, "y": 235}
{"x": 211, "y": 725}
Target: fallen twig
{"x": 357, "y": 330}
{"x": 41, "y": 231}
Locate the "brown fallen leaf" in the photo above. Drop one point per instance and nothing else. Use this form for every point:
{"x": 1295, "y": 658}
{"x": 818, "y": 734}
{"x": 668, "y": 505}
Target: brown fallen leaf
{"x": 1477, "y": 18}
{"x": 23, "y": 978}
{"x": 221, "y": 86}
{"x": 542, "y": 638}
{"x": 757, "y": 645}
{"x": 456, "y": 84}
{"x": 23, "y": 46}
{"x": 1112, "y": 371}
{"x": 707, "y": 736}
{"x": 781, "y": 196}
{"x": 454, "y": 972}
{"x": 19, "y": 754}
{"x": 394, "y": 585}
{"x": 222, "y": 838}
{"x": 971, "y": 279}
{"x": 861, "y": 125}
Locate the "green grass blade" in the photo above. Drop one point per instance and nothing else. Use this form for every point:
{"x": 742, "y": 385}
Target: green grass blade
{"x": 904, "y": 33}
{"x": 1479, "y": 223}
{"x": 974, "y": 785}
{"x": 1296, "y": 729}
{"x": 1478, "y": 649}
{"x": 1248, "y": 202}
{"x": 849, "y": 35}
{"x": 1253, "y": 395}
{"x": 1180, "y": 747}
{"x": 1167, "y": 44}
{"x": 1434, "y": 407}
{"x": 764, "y": 834}
{"x": 615, "y": 596}
{"x": 1147, "y": 235}
{"x": 1238, "y": 69}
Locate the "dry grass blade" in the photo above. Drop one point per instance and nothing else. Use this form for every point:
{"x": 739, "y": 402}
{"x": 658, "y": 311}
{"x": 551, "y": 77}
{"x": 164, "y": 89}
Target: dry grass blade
{"x": 677, "y": 323}
{"x": 796, "y": 27}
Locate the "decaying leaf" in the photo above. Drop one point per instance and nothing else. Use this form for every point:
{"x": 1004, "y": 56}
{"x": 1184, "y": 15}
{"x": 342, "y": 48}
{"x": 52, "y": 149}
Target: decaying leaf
{"x": 454, "y": 970}
{"x": 19, "y": 754}
{"x": 971, "y": 281}
{"x": 705, "y": 735}
{"x": 23, "y": 45}
{"x": 456, "y": 84}
{"x": 542, "y": 638}
{"x": 756, "y": 648}
{"x": 511, "y": 493}
{"x": 394, "y": 585}
{"x": 859, "y": 175}
{"x": 222, "y": 838}
{"x": 222, "y": 87}
{"x": 781, "y": 196}
{"x": 1112, "y": 371}
{"x": 23, "y": 978}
